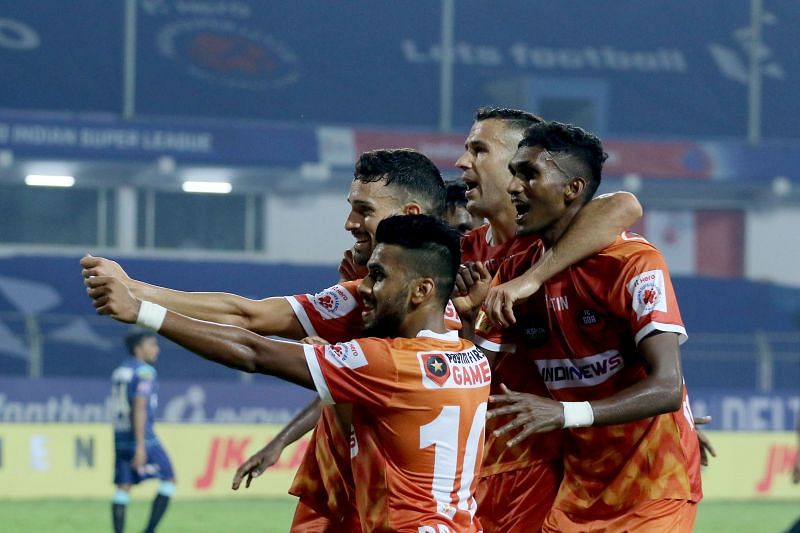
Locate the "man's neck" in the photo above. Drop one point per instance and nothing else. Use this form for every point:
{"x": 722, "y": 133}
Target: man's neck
{"x": 503, "y": 226}
{"x": 551, "y": 235}
{"x": 422, "y": 320}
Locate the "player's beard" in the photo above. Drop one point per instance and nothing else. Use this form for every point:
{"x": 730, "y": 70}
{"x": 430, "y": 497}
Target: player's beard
{"x": 388, "y": 318}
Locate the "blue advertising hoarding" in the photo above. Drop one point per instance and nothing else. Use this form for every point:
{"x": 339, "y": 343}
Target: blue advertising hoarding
{"x": 64, "y": 56}
{"x": 663, "y": 69}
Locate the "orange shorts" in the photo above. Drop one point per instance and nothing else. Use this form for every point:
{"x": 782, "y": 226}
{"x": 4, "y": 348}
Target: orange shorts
{"x": 654, "y": 516}
{"x": 519, "y": 500}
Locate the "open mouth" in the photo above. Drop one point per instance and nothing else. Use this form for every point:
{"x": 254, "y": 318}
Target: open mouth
{"x": 471, "y": 185}
{"x": 522, "y": 209}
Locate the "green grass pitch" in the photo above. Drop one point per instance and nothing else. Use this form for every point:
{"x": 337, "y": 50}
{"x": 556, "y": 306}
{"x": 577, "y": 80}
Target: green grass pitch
{"x": 275, "y": 515}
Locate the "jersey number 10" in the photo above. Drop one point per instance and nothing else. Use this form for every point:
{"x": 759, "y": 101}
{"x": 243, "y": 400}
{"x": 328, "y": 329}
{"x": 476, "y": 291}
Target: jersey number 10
{"x": 443, "y": 433}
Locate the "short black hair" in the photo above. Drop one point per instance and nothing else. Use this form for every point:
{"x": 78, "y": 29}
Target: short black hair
{"x": 435, "y": 248}
{"x": 409, "y": 171}
{"x": 135, "y": 338}
{"x": 570, "y": 140}
{"x": 456, "y": 194}
{"x": 515, "y": 118}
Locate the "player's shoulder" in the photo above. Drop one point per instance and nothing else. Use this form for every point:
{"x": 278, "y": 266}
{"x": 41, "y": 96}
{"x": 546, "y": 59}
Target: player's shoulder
{"x": 145, "y": 371}
{"x": 628, "y": 246}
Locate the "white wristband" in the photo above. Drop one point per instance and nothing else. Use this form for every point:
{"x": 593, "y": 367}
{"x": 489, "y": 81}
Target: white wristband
{"x": 151, "y": 316}
{"x": 577, "y": 414}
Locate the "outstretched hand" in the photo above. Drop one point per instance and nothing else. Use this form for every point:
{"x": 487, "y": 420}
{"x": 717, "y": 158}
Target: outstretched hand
{"x": 258, "y": 463}
{"x": 111, "y": 297}
{"x": 100, "y": 266}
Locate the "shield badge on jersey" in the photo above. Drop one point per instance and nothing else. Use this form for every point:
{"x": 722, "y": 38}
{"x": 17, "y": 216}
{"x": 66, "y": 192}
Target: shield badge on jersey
{"x": 436, "y": 368}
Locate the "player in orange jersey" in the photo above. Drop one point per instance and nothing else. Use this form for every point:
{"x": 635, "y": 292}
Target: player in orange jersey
{"x": 417, "y": 391}
{"x": 604, "y": 337}
{"x": 519, "y": 483}
{"x": 385, "y": 182}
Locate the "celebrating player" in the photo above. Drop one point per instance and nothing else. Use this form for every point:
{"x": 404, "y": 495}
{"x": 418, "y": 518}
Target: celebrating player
{"x": 418, "y": 391}
{"x": 518, "y": 484}
{"x": 604, "y": 336}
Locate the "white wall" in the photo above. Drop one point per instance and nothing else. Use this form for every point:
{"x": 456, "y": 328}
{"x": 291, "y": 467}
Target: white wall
{"x": 307, "y": 229}
{"x": 772, "y": 245}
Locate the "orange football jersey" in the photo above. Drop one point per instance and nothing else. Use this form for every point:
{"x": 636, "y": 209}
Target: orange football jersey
{"x": 324, "y": 480}
{"x": 517, "y": 373}
{"x": 581, "y": 332}
{"x": 419, "y": 409}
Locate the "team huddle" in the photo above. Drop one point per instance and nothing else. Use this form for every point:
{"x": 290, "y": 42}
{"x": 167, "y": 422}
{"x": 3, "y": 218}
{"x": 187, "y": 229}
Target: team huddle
{"x": 522, "y": 377}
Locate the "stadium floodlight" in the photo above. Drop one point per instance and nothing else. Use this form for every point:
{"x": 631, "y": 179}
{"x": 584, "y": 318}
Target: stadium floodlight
{"x": 213, "y": 187}
{"x": 43, "y": 180}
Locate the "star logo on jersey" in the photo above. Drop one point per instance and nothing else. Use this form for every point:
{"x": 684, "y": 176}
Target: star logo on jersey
{"x": 436, "y": 368}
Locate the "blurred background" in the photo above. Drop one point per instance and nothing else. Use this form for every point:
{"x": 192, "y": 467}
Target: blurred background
{"x": 209, "y": 144}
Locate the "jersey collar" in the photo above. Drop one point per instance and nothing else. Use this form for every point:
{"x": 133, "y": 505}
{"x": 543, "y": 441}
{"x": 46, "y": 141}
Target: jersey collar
{"x": 450, "y": 336}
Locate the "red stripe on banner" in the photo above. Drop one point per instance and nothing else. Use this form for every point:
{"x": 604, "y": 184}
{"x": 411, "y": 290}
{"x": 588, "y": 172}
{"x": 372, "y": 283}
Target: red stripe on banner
{"x": 443, "y": 149}
{"x": 720, "y": 243}
{"x": 657, "y": 159}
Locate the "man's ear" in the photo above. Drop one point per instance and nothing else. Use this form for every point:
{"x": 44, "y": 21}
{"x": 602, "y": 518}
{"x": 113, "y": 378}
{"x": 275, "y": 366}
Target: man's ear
{"x": 422, "y": 289}
{"x": 412, "y": 209}
{"x": 574, "y": 188}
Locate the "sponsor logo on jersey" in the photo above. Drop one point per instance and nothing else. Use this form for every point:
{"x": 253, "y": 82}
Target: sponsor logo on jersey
{"x": 345, "y": 355}
{"x": 467, "y": 369}
{"x": 647, "y": 290}
{"x": 584, "y": 372}
{"x": 334, "y": 302}
{"x": 533, "y": 335}
{"x": 558, "y": 303}
{"x": 589, "y": 318}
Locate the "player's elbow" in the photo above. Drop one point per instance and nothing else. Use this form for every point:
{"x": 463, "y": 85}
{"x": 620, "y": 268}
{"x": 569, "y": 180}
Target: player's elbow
{"x": 629, "y": 204}
{"x": 671, "y": 394}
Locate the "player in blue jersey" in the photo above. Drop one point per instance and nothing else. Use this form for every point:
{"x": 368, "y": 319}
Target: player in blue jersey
{"x": 138, "y": 452}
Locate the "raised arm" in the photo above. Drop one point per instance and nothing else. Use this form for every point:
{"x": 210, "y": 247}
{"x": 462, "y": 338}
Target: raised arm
{"x": 595, "y": 226}
{"x": 660, "y": 392}
{"x": 231, "y": 346}
{"x": 270, "y": 316}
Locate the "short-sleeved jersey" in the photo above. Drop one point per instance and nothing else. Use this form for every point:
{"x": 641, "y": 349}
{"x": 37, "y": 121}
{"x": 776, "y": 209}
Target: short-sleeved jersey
{"x": 476, "y": 245}
{"x": 517, "y": 373}
{"x": 324, "y": 478}
{"x": 335, "y": 313}
{"x": 581, "y": 332}
{"x": 419, "y": 407}
{"x": 133, "y": 378}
